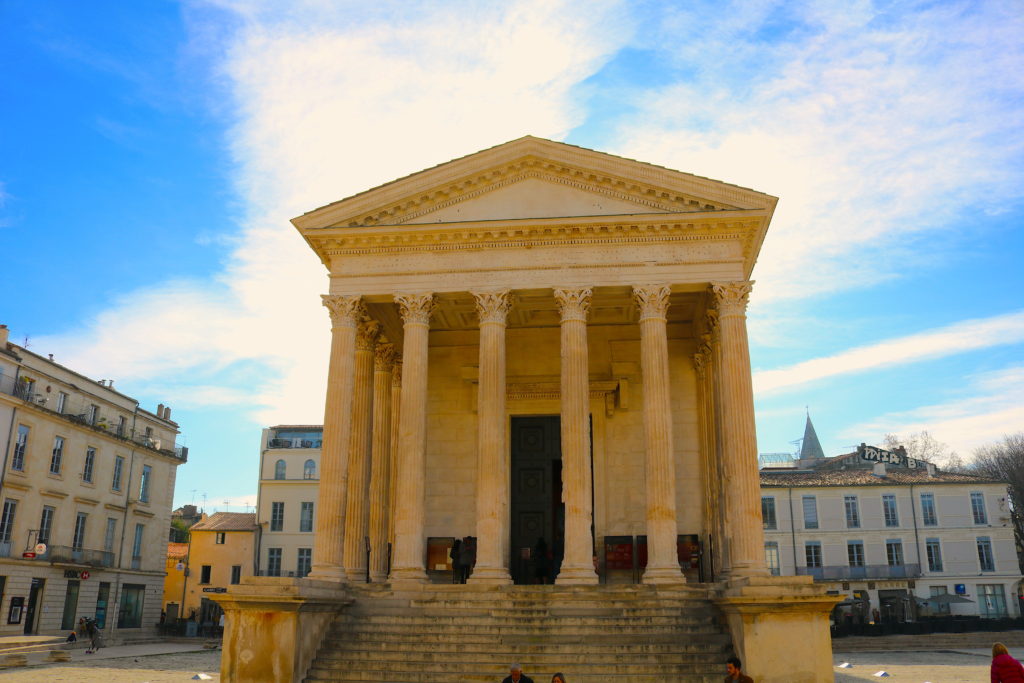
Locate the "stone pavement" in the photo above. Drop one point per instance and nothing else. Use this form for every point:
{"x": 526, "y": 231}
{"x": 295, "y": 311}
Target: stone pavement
{"x": 919, "y": 666}
{"x": 162, "y": 662}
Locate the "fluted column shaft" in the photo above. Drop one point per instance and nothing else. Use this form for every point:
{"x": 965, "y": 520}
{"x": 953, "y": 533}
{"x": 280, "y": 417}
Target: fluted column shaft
{"x": 659, "y": 460}
{"x": 328, "y": 543}
{"x": 492, "y": 476}
{"x": 396, "y": 406}
{"x": 409, "y": 561}
{"x": 357, "y": 504}
{"x": 746, "y": 543}
{"x": 380, "y": 461}
{"x": 578, "y": 563}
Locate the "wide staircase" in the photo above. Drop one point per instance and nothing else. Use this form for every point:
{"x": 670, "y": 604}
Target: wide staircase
{"x": 639, "y": 634}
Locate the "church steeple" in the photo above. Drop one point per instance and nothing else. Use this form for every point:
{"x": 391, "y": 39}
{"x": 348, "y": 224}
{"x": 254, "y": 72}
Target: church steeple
{"x": 811, "y": 447}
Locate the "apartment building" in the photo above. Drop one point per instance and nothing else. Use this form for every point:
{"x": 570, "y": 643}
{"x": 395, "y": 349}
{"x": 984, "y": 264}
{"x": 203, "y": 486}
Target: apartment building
{"x": 897, "y": 536}
{"x": 86, "y": 486}
{"x": 287, "y": 498}
{"x": 220, "y": 551}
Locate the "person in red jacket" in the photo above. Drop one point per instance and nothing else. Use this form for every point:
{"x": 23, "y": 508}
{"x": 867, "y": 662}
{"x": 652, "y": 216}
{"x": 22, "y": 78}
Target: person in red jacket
{"x": 1005, "y": 669}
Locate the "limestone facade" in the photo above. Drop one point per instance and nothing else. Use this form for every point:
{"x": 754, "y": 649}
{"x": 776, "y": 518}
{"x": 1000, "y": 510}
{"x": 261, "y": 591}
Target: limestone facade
{"x": 89, "y": 473}
{"x": 539, "y": 279}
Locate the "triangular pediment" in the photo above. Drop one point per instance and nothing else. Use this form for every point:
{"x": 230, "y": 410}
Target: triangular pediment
{"x": 533, "y": 178}
{"x": 537, "y": 195}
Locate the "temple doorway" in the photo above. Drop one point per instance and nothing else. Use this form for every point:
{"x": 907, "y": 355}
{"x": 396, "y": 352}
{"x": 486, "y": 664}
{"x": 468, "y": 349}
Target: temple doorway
{"x": 537, "y": 511}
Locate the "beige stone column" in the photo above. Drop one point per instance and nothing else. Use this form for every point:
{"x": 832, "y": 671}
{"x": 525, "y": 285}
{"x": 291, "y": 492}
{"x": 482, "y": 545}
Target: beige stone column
{"x": 739, "y": 458}
{"x": 328, "y": 543}
{"x": 380, "y": 461}
{"x": 359, "y": 453}
{"x": 721, "y": 547}
{"x": 492, "y": 476}
{"x": 396, "y": 404}
{"x": 659, "y": 458}
{"x": 409, "y": 561}
{"x": 578, "y": 562}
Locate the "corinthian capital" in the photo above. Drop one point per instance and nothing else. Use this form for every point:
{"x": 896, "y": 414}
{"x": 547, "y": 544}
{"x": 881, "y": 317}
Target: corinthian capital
{"x": 366, "y": 335}
{"x": 384, "y": 357}
{"x": 732, "y": 297}
{"x": 573, "y": 304}
{"x": 396, "y": 373}
{"x": 652, "y": 301}
{"x": 700, "y": 364}
{"x": 345, "y": 311}
{"x": 492, "y": 307}
{"x": 415, "y": 308}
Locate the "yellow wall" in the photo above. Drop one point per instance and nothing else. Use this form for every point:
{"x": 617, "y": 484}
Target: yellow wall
{"x": 237, "y": 549}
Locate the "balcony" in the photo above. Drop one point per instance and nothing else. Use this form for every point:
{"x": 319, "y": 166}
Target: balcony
{"x": 842, "y": 572}
{"x": 64, "y": 554}
{"x": 294, "y": 443}
{"x": 76, "y": 409}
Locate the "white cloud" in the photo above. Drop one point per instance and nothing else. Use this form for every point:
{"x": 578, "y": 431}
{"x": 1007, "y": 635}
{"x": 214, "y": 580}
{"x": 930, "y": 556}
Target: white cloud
{"x": 875, "y": 127}
{"x": 331, "y": 99}
{"x": 992, "y": 405}
{"x": 968, "y": 335}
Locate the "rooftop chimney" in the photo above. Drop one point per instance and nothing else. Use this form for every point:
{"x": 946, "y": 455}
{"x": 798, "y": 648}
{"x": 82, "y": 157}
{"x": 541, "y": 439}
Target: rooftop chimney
{"x": 931, "y": 469}
{"x": 167, "y": 413}
{"x": 160, "y": 410}
{"x": 3, "y": 336}
{"x": 879, "y": 469}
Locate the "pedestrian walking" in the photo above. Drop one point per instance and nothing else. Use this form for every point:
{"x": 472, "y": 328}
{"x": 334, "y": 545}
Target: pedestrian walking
{"x": 1005, "y": 669}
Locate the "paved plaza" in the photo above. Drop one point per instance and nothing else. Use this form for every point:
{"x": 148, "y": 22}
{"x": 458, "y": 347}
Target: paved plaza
{"x": 140, "y": 664}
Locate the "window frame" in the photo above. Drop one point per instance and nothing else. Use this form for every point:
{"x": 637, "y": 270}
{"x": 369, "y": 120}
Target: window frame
{"x": 851, "y": 511}
{"x": 978, "y": 510}
{"x": 89, "y": 465}
{"x": 934, "y": 558}
{"x": 819, "y": 555}
{"x": 772, "y": 558}
{"x": 45, "y": 524}
{"x": 988, "y": 554}
{"x": 769, "y": 516}
{"x": 808, "y": 522}
{"x": 20, "y": 447}
{"x": 78, "y": 540}
{"x": 306, "y": 512}
{"x": 855, "y": 554}
{"x": 929, "y": 512}
{"x": 57, "y": 455}
{"x": 277, "y": 515}
{"x": 116, "y": 480}
{"x": 890, "y": 510}
{"x": 897, "y": 545}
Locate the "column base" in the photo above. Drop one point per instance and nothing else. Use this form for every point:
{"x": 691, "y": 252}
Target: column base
{"x": 739, "y": 571}
{"x": 576, "y": 576}
{"x": 328, "y": 573}
{"x": 356, "y": 575}
{"x": 663, "y": 575}
{"x": 408, "y": 575}
{"x": 378, "y": 578}
{"x": 490, "y": 576}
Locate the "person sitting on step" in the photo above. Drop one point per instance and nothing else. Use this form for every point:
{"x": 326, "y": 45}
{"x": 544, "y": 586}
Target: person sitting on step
{"x": 516, "y": 675}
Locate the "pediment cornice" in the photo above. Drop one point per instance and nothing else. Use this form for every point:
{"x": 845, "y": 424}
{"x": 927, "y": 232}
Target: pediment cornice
{"x": 743, "y": 226}
{"x": 651, "y": 188}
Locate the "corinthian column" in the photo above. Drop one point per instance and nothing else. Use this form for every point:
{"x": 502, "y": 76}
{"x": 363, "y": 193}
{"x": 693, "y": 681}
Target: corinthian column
{"x": 491, "y": 472}
{"x": 578, "y": 565}
{"x": 396, "y": 405}
{"x": 659, "y": 463}
{"x": 739, "y": 457}
{"x": 359, "y": 452}
{"x": 380, "y": 461}
{"x": 409, "y": 562}
{"x": 330, "y": 520}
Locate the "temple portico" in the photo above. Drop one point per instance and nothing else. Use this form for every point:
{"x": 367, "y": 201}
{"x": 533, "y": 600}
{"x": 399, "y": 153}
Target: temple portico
{"x": 543, "y": 350}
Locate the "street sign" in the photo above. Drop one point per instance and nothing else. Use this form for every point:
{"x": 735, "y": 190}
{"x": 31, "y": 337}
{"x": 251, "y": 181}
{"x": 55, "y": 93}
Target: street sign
{"x": 179, "y": 566}
{"x": 84, "y": 575}
{"x": 40, "y": 548}
{"x": 29, "y": 555}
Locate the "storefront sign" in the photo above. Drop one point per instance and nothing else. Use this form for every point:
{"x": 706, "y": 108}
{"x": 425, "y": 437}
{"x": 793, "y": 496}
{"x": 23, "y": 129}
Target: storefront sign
{"x": 76, "y": 574}
{"x": 215, "y": 590}
{"x": 29, "y": 555}
{"x": 898, "y": 458}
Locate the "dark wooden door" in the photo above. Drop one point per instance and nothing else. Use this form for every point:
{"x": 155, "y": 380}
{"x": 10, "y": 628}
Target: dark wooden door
{"x": 536, "y": 506}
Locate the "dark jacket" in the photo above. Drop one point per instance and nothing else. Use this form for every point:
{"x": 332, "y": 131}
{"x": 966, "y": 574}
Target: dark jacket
{"x": 1006, "y": 669}
{"x": 522, "y": 679}
{"x": 743, "y": 678}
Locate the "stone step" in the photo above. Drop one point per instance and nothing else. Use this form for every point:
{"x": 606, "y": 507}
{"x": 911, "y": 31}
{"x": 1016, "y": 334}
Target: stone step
{"x": 544, "y": 658}
{"x": 439, "y": 620}
{"x": 451, "y": 669}
{"x": 610, "y": 642}
{"x": 496, "y": 674}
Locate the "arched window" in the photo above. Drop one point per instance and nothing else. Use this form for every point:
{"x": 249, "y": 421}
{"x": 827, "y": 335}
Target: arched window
{"x": 279, "y": 470}
{"x": 309, "y": 470}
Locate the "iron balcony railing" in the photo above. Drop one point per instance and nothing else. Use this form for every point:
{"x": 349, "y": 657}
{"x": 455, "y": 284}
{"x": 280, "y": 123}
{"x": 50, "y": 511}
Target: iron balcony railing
{"x": 871, "y": 571}
{"x": 294, "y": 443}
{"x": 64, "y": 554}
{"x": 77, "y": 410}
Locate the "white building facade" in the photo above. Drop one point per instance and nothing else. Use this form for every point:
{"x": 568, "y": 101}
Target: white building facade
{"x": 86, "y": 487}
{"x": 893, "y": 538}
{"x": 287, "y": 499}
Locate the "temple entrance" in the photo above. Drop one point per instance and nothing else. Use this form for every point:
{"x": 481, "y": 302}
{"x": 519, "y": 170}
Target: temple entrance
{"x": 537, "y": 511}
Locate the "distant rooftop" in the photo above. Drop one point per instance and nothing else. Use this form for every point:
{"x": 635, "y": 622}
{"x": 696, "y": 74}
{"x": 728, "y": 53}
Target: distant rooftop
{"x": 228, "y": 521}
{"x": 865, "y": 477}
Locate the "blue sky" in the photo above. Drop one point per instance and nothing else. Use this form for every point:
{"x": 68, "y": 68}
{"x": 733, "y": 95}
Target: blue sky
{"x": 152, "y": 153}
